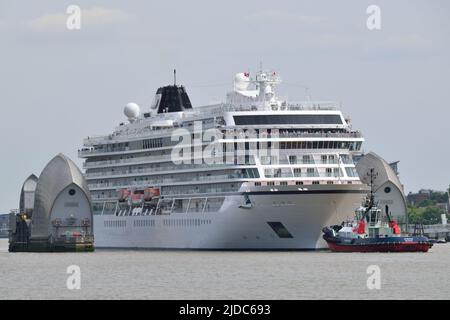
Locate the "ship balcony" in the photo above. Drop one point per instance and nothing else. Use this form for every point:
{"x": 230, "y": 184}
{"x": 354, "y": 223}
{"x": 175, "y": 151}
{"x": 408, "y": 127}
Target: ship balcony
{"x": 291, "y": 106}
{"x": 86, "y": 152}
{"x": 296, "y": 135}
{"x": 130, "y": 161}
{"x": 141, "y": 131}
{"x": 295, "y": 160}
{"x": 285, "y": 161}
{"x": 164, "y": 170}
{"x": 105, "y": 150}
{"x": 350, "y": 134}
{"x": 166, "y": 181}
{"x": 141, "y": 160}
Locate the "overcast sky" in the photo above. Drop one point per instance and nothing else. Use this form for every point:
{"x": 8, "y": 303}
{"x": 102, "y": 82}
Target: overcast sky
{"x": 58, "y": 86}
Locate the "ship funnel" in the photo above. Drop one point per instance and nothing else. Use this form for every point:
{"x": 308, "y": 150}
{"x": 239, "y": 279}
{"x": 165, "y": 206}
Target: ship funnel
{"x": 171, "y": 99}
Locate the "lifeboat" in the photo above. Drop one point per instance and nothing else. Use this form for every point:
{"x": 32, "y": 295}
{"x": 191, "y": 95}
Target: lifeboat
{"x": 137, "y": 197}
{"x": 151, "y": 193}
{"x": 123, "y": 195}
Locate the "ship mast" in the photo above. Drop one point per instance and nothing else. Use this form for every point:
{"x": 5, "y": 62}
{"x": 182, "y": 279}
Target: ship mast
{"x": 371, "y": 203}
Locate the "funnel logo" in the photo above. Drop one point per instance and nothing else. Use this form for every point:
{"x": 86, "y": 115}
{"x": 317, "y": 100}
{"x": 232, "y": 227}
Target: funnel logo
{"x": 74, "y": 280}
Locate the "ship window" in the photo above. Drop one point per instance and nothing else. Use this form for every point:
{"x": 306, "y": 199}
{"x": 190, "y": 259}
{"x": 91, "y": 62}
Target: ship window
{"x": 310, "y": 172}
{"x": 288, "y": 119}
{"x": 351, "y": 172}
{"x": 72, "y": 192}
{"x": 336, "y": 172}
{"x": 306, "y": 159}
{"x": 387, "y": 189}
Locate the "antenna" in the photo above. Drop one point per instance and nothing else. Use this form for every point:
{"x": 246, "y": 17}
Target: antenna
{"x": 371, "y": 203}
{"x": 372, "y": 176}
{"x": 174, "y": 77}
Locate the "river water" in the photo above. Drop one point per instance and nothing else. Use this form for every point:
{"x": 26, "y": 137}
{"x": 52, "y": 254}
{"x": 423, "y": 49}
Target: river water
{"x": 129, "y": 274}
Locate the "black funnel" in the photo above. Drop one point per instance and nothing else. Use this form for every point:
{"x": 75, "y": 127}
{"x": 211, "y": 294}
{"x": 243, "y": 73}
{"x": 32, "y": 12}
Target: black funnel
{"x": 173, "y": 99}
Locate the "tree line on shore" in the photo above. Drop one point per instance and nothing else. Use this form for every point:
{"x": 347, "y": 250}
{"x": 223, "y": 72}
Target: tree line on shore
{"x": 429, "y": 211}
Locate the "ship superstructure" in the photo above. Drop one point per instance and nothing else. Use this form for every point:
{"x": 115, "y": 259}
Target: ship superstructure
{"x": 254, "y": 172}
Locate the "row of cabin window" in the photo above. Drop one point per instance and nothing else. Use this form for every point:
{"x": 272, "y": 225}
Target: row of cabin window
{"x": 297, "y": 183}
{"x": 351, "y": 145}
{"x": 186, "y": 222}
{"x": 152, "y": 143}
{"x": 118, "y": 223}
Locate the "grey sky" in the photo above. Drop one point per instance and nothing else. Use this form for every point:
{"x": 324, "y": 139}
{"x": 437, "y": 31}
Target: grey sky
{"x": 59, "y": 86}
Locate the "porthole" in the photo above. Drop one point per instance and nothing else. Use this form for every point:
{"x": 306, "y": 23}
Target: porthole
{"x": 387, "y": 189}
{"x": 72, "y": 192}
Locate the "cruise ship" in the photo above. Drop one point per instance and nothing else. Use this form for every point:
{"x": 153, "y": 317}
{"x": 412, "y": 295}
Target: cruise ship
{"x": 254, "y": 172}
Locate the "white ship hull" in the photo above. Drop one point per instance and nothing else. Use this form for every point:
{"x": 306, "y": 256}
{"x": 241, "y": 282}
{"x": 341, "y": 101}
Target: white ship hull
{"x": 301, "y": 214}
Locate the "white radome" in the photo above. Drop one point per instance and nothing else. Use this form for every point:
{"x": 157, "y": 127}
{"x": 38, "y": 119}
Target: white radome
{"x": 241, "y": 81}
{"x": 132, "y": 111}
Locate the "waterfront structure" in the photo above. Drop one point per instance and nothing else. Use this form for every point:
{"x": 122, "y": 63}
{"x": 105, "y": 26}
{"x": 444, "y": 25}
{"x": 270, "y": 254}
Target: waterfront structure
{"x": 4, "y": 225}
{"x": 27, "y": 193}
{"x": 387, "y": 187}
{"x": 61, "y": 216}
{"x": 231, "y": 194}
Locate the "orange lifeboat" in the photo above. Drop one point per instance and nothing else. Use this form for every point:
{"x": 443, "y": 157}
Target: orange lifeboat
{"x": 151, "y": 193}
{"x": 123, "y": 194}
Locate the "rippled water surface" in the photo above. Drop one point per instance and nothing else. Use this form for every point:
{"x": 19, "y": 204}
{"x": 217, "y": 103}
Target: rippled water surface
{"x": 126, "y": 274}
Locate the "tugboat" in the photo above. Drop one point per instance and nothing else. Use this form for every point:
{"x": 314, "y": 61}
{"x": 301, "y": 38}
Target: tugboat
{"x": 371, "y": 231}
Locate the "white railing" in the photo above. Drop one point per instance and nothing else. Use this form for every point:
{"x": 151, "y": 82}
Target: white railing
{"x": 165, "y": 158}
{"x": 352, "y": 134}
{"x": 148, "y": 159}
{"x": 159, "y": 170}
{"x": 289, "y": 106}
{"x": 192, "y": 179}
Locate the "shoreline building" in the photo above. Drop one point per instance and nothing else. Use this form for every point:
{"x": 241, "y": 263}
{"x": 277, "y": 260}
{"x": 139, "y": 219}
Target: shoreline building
{"x": 4, "y": 225}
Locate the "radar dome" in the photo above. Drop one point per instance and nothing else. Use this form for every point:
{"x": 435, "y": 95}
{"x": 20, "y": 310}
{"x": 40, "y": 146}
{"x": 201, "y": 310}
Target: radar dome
{"x": 241, "y": 81}
{"x": 132, "y": 111}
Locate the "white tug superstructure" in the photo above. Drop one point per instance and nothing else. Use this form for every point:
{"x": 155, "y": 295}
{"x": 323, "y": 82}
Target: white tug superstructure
{"x": 227, "y": 191}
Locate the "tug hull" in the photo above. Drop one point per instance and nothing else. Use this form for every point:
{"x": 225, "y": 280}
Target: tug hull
{"x": 385, "y": 244}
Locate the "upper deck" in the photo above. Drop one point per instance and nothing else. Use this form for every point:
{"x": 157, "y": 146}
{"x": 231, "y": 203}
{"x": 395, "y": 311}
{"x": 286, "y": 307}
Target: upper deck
{"x": 163, "y": 124}
{"x": 251, "y": 105}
